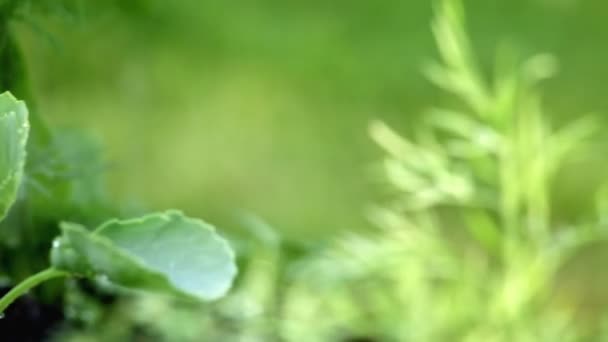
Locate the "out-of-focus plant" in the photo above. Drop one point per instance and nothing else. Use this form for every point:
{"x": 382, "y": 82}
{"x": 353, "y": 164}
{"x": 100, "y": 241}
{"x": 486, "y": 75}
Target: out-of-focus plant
{"x": 467, "y": 248}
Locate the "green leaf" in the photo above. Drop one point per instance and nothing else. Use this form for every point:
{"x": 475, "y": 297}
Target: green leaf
{"x": 164, "y": 252}
{"x": 14, "y": 129}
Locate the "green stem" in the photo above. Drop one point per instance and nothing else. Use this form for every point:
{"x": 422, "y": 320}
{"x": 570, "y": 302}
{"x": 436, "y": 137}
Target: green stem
{"x": 27, "y": 284}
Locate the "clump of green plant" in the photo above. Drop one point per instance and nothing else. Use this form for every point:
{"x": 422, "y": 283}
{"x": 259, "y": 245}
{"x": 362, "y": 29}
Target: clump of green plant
{"x": 468, "y": 247}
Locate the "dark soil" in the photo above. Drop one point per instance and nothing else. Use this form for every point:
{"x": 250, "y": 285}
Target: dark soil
{"x": 28, "y": 320}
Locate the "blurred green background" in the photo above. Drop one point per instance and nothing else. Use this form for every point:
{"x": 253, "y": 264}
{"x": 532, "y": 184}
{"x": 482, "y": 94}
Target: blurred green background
{"x": 254, "y": 115}
{"x": 217, "y": 107}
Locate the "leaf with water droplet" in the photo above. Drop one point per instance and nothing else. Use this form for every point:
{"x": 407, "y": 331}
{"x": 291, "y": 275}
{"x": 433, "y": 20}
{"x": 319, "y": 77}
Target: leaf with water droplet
{"x": 164, "y": 252}
{"x": 14, "y": 130}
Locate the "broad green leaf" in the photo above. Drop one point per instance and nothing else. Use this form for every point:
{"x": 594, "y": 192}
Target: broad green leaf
{"x": 14, "y": 129}
{"x": 164, "y": 252}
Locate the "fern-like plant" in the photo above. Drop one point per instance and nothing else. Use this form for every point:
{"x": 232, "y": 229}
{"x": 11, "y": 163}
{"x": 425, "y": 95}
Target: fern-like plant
{"x": 467, "y": 248}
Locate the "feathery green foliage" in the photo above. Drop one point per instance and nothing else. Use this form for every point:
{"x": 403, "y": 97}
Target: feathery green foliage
{"x": 467, "y": 248}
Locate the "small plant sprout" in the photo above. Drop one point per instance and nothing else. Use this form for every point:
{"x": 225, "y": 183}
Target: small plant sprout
{"x": 165, "y": 252}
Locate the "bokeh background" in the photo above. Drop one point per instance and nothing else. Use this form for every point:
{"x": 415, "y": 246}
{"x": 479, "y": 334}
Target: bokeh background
{"x": 255, "y": 115}
{"x": 263, "y": 106}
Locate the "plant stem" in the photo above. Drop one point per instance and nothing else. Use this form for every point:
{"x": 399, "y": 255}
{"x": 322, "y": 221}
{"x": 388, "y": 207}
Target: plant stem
{"x": 27, "y": 284}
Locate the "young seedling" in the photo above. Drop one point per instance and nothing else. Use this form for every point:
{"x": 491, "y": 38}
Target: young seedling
{"x": 165, "y": 252}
